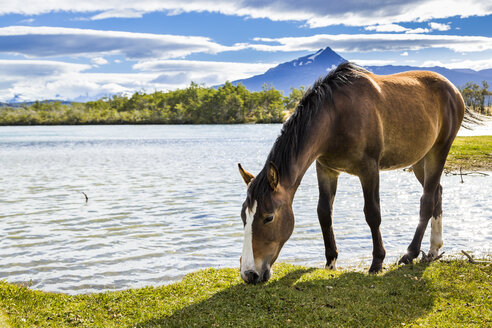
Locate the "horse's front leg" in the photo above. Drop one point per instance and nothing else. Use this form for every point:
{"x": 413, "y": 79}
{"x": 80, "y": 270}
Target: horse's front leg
{"x": 327, "y": 184}
{"x": 369, "y": 179}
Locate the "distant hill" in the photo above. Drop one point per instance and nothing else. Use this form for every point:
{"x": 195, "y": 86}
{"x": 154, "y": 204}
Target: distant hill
{"x": 305, "y": 70}
{"x": 29, "y": 103}
{"x": 457, "y": 76}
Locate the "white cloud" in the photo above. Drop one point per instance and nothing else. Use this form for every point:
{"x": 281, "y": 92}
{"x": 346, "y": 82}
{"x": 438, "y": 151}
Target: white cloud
{"x": 30, "y": 69}
{"x": 472, "y": 64}
{"x": 432, "y": 63}
{"x": 75, "y": 86}
{"x": 118, "y": 13}
{"x": 42, "y": 79}
{"x": 58, "y": 41}
{"x": 439, "y": 26}
{"x": 37, "y": 79}
{"x": 27, "y": 21}
{"x": 172, "y": 78}
{"x": 99, "y": 61}
{"x": 193, "y": 65}
{"x": 404, "y": 53}
{"x": 386, "y": 28}
{"x": 316, "y": 13}
{"x": 375, "y": 42}
{"x": 398, "y": 28}
{"x": 209, "y": 72}
{"x": 418, "y": 30}
{"x": 372, "y": 62}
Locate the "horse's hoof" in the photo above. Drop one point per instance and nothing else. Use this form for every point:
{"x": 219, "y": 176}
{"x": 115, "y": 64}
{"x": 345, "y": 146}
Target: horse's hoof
{"x": 427, "y": 258}
{"x": 431, "y": 256}
{"x": 376, "y": 267}
{"x": 433, "y": 253}
{"x": 332, "y": 265}
{"x": 374, "y": 270}
{"x": 406, "y": 259}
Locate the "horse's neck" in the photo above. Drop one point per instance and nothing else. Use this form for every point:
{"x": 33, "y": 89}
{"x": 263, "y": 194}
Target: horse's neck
{"x": 298, "y": 170}
{"x": 300, "y": 164}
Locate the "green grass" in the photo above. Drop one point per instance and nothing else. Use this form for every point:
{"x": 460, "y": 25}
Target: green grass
{"x": 470, "y": 153}
{"x": 444, "y": 294}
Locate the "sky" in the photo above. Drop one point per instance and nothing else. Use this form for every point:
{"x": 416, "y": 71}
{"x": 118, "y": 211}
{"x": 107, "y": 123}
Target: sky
{"x": 80, "y": 50}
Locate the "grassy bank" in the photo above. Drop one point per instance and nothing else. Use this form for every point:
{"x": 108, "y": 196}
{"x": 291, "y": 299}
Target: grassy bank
{"x": 444, "y": 294}
{"x": 471, "y": 153}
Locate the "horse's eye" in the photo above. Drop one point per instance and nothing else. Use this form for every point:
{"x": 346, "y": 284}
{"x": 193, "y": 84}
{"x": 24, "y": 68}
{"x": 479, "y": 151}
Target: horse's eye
{"x": 268, "y": 219}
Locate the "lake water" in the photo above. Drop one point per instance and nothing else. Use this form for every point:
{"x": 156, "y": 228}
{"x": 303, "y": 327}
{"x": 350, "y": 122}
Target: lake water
{"x": 165, "y": 201}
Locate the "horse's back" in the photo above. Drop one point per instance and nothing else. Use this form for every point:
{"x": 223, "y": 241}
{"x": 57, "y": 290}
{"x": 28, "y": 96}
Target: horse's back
{"x": 403, "y": 116}
{"x": 420, "y": 110}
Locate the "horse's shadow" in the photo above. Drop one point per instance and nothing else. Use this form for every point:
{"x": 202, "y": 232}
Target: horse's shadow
{"x": 352, "y": 299}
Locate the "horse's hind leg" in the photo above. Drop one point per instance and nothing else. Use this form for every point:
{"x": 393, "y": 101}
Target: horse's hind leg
{"x": 428, "y": 172}
{"x": 436, "y": 226}
{"x": 436, "y": 219}
{"x": 327, "y": 183}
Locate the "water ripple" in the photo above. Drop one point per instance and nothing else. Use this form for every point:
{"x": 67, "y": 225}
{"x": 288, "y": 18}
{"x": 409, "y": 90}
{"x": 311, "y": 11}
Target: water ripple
{"x": 165, "y": 201}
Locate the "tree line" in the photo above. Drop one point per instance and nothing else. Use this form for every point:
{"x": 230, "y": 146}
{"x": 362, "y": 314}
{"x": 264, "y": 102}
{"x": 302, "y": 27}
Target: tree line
{"x": 196, "y": 104}
{"x": 477, "y": 97}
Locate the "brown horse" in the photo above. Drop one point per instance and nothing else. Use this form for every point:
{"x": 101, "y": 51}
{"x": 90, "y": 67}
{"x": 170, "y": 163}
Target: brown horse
{"x": 356, "y": 122}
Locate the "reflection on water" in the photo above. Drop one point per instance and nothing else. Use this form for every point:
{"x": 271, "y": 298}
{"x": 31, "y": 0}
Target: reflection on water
{"x": 165, "y": 201}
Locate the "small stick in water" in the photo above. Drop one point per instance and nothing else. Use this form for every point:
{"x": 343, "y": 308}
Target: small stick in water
{"x": 471, "y": 260}
{"x": 86, "y": 198}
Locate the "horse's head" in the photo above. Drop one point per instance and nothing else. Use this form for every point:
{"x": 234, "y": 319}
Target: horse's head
{"x": 268, "y": 223}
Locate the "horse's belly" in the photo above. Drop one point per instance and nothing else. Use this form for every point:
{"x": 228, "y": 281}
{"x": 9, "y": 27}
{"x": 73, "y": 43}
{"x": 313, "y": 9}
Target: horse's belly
{"x": 405, "y": 153}
{"x": 407, "y": 136}
{"x": 390, "y": 165}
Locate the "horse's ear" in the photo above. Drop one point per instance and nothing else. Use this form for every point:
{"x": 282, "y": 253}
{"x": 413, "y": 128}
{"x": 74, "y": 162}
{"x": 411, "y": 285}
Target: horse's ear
{"x": 272, "y": 176}
{"x": 247, "y": 177}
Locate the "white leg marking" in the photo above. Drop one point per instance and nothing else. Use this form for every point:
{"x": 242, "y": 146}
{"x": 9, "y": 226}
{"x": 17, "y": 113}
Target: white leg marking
{"x": 248, "y": 260}
{"x": 436, "y": 236}
{"x": 332, "y": 265}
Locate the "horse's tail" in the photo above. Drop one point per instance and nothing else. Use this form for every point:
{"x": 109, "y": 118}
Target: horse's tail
{"x": 471, "y": 118}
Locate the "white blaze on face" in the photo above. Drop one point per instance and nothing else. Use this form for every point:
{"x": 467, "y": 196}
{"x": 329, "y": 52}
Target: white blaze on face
{"x": 247, "y": 258}
{"x": 436, "y": 236}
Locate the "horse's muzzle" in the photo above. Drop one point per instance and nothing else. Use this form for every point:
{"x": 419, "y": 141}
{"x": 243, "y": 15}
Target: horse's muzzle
{"x": 252, "y": 277}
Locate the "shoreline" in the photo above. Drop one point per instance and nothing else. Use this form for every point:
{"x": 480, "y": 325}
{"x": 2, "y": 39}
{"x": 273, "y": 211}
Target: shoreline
{"x": 429, "y": 294}
{"x": 472, "y": 153}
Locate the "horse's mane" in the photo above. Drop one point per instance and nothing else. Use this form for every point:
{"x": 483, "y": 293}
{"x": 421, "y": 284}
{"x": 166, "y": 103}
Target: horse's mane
{"x": 295, "y": 130}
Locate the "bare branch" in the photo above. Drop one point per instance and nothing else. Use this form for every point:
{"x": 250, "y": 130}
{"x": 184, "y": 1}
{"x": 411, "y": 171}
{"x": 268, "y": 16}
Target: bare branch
{"x": 428, "y": 258}
{"x": 471, "y": 260}
{"x": 461, "y": 173}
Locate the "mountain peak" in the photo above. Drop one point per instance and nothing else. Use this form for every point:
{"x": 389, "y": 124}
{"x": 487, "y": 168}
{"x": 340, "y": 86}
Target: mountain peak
{"x": 321, "y": 57}
{"x": 328, "y": 54}
{"x": 303, "y": 71}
